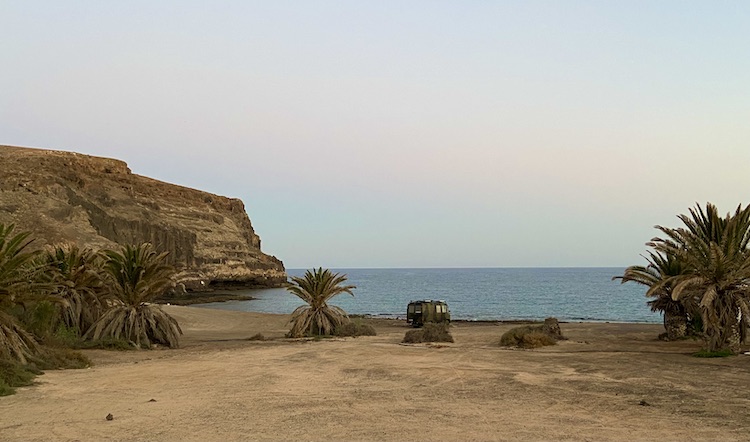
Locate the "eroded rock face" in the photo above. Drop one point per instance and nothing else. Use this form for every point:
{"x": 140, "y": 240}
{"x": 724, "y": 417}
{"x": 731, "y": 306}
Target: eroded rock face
{"x": 64, "y": 197}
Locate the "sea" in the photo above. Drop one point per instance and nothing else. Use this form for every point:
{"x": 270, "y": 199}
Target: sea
{"x": 476, "y": 294}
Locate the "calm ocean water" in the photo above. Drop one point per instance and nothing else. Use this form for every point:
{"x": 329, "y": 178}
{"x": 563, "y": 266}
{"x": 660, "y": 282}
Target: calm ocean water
{"x": 570, "y": 294}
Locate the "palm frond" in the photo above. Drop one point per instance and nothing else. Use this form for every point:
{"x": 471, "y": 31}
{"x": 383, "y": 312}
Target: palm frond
{"x": 143, "y": 326}
{"x": 15, "y": 342}
{"x": 21, "y": 281}
{"x": 714, "y": 252}
{"x": 316, "y": 287}
{"x": 79, "y": 279}
{"x": 136, "y": 275}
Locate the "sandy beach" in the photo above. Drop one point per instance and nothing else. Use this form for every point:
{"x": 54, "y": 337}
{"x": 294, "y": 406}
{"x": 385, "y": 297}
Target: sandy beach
{"x": 607, "y": 382}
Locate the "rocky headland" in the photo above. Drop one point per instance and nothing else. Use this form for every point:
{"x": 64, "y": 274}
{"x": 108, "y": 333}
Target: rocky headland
{"x": 66, "y": 197}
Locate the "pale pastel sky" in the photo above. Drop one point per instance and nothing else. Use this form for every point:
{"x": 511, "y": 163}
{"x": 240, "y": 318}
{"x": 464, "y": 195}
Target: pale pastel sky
{"x": 402, "y": 133}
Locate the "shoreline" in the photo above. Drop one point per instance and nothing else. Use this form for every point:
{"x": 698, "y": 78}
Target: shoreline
{"x": 203, "y": 298}
{"x": 401, "y": 317}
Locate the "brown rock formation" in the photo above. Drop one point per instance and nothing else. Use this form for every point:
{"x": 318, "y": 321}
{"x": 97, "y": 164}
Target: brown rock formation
{"x": 97, "y": 202}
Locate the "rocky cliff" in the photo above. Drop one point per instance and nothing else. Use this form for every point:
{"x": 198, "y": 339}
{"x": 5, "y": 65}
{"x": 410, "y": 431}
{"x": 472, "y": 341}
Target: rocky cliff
{"x": 65, "y": 197}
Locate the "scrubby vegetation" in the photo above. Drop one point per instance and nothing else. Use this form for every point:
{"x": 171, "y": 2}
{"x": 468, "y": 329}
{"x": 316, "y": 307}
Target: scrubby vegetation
{"x": 257, "y": 337}
{"x": 55, "y": 300}
{"x": 106, "y": 344}
{"x": 699, "y": 277}
{"x": 431, "y": 332}
{"x": 713, "y": 354}
{"x": 354, "y": 329}
{"x": 14, "y": 374}
{"x": 533, "y": 336}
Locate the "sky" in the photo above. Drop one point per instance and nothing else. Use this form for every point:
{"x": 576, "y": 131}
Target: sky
{"x": 403, "y": 133}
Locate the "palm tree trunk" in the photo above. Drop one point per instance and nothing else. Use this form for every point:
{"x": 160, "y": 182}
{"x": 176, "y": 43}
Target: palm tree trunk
{"x": 675, "y": 324}
{"x": 734, "y": 338}
{"x": 720, "y": 338}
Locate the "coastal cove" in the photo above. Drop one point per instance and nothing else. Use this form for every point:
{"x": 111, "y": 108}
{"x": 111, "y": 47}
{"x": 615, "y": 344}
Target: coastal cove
{"x": 570, "y": 294}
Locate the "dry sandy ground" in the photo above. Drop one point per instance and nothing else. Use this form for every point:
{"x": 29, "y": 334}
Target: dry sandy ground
{"x": 220, "y": 386}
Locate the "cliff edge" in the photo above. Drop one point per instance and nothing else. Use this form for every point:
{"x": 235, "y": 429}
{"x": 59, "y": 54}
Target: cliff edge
{"x": 65, "y": 197}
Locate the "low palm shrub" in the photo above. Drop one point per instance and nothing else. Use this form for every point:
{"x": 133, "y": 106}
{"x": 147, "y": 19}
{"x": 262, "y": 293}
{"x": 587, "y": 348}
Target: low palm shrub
{"x": 431, "y": 332}
{"x": 21, "y": 283}
{"x": 137, "y": 275}
{"x": 141, "y": 325}
{"x": 79, "y": 281}
{"x": 15, "y": 342}
{"x": 317, "y": 317}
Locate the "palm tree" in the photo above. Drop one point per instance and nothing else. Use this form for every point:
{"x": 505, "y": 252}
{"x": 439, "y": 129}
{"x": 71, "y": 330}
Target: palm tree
{"x": 18, "y": 282}
{"x": 657, "y": 277}
{"x": 137, "y": 275}
{"x": 714, "y": 251}
{"x": 79, "y": 279}
{"x": 316, "y": 287}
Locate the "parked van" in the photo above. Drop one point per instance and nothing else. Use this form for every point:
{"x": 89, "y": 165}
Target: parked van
{"x": 427, "y": 310}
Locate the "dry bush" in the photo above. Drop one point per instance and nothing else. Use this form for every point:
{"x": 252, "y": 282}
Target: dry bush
{"x": 431, "y": 332}
{"x": 257, "y": 337}
{"x": 535, "y": 339}
{"x": 354, "y": 328}
{"x": 533, "y": 336}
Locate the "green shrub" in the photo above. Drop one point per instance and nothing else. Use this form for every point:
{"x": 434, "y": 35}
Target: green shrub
{"x": 66, "y": 336}
{"x": 5, "y": 389}
{"x": 354, "y": 329}
{"x": 41, "y": 320}
{"x": 695, "y": 326}
{"x": 713, "y": 354}
{"x": 14, "y": 374}
{"x": 431, "y": 332}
